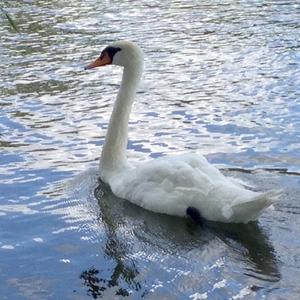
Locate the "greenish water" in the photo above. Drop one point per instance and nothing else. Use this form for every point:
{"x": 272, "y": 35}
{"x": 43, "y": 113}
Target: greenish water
{"x": 220, "y": 76}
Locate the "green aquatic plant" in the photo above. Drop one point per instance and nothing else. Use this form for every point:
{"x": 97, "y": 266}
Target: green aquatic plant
{"x": 9, "y": 19}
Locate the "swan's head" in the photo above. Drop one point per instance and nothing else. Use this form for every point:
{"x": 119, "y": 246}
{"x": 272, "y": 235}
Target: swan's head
{"x": 121, "y": 53}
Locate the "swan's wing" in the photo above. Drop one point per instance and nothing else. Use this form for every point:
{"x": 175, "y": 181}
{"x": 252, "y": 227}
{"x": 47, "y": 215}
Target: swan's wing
{"x": 168, "y": 185}
{"x": 171, "y": 184}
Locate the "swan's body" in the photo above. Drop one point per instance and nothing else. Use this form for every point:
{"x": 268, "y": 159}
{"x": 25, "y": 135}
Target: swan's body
{"x": 171, "y": 184}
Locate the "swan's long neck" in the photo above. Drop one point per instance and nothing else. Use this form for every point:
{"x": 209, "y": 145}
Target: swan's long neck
{"x": 113, "y": 157}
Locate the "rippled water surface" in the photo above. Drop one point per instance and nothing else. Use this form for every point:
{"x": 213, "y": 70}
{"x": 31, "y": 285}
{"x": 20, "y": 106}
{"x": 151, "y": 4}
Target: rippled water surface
{"x": 221, "y": 77}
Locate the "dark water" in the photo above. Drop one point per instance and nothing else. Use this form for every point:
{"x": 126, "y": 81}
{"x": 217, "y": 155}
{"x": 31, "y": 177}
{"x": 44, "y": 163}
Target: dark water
{"x": 221, "y": 76}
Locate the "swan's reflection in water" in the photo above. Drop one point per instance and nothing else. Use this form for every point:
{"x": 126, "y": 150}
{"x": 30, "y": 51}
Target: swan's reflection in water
{"x": 140, "y": 242}
{"x": 122, "y": 279}
{"x": 253, "y": 245}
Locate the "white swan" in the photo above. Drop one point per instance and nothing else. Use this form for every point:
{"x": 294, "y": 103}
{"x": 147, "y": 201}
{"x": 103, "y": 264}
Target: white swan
{"x": 176, "y": 185}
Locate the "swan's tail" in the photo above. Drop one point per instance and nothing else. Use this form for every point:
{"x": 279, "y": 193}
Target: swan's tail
{"x": 250, "y": 210}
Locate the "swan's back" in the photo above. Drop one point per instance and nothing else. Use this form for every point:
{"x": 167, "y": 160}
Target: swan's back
{"x": 172, "y": 184}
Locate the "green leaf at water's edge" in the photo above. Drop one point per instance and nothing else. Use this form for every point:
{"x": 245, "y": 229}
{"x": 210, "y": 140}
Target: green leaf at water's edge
{"x": 10, "y": 20}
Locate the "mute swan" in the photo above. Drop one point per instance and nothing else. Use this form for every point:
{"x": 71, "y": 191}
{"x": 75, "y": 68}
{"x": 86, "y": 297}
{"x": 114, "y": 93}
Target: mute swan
{"x": 178, "y": 185}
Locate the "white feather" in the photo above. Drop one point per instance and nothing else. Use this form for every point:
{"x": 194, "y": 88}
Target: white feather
{"x": 172, "y": 184}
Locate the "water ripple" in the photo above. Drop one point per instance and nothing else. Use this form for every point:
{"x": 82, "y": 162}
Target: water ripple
{"x": 220, "y": 78}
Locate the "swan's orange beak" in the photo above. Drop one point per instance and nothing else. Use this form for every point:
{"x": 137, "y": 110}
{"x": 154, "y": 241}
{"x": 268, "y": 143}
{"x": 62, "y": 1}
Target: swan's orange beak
{"x": 100, "y": 61}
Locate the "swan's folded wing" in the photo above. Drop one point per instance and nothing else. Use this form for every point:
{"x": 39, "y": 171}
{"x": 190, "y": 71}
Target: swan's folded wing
{"x": 170, "y": 185}
{"x": 165, "y": 186}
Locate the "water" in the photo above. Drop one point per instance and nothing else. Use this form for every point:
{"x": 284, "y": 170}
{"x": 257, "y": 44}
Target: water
{"x": 221, "y": 76}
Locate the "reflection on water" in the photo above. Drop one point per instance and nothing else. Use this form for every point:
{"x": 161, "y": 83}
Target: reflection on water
{"x": 248, "y": 243}
{"x": 256, "y": 248}
{"x": 97, "y": 286}
{"x": 122, "y": 278}
{"x": 221, "y": 78}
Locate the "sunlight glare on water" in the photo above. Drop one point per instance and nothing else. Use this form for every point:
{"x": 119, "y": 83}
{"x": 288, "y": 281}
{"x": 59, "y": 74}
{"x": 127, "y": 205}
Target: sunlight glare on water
{"x": 221, "y": 77}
